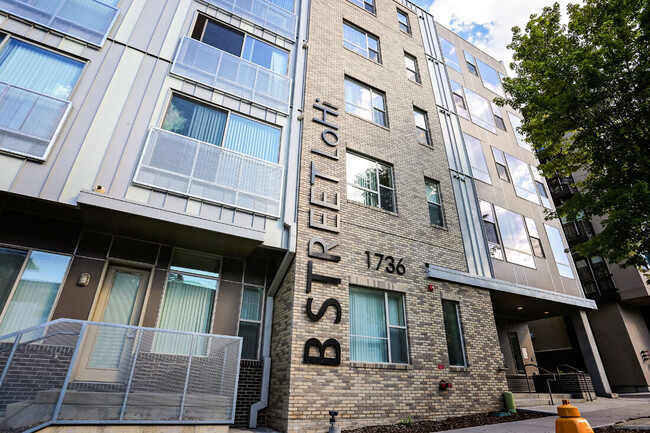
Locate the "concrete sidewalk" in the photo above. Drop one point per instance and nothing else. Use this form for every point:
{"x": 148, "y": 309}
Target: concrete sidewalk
{"x": 599, "y": 413}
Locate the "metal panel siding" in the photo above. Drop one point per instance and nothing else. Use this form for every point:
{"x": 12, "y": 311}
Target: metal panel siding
{"x": 144, "y": 30}
{"x": 10, "y": 169}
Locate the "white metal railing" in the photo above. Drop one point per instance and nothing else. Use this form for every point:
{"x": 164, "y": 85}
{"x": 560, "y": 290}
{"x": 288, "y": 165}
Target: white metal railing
{"x": 215, "y": 68}
{"x": 86, "y": 20}
{"x": 29, "y": 121}
{"x": 193, "y": 168}
{"x": 261, "y": 12}
{"x": 78, "y": 372}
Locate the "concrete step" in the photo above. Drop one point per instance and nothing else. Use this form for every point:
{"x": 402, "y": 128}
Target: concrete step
{"x": 536, "y": 399}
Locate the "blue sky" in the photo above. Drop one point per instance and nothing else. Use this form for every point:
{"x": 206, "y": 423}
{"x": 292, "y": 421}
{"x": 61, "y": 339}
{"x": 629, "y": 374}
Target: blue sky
{"x": 486, "y": 23}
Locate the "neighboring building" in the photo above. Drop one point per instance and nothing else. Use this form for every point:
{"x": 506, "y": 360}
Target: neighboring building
{"x": 621, "y": 325}
{"x": 317, "y": 178}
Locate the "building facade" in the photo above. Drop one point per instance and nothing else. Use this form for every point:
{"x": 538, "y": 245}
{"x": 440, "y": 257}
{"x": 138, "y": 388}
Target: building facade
{"x": 327, "y": 182}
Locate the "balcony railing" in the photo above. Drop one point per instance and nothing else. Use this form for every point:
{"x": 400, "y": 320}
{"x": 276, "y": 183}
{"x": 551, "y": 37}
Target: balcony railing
{"x": 29, "y": 121}
{"x": 215, "y": 68}
{"x": 86, "y": 20}
{"x": 261, "y": 12}
{"x": 72, "y": 371}
{"x": 578, "y": 231}
{"x": 193, "y": 168}
{"x": 562, "y": 187}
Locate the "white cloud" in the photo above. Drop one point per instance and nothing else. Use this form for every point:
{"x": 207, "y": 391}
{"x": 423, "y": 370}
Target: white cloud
{"x": 488, "y": 23}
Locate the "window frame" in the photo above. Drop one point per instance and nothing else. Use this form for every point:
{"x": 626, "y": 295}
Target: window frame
{"x": 477, "y": 146}
{"x": 459, "y": 323}
{"x": 449, "y": 61}
{"x": 522, "y": 231}
{"x": 388, "y": 326}
{"x": 471, "y": 65}
{"x": 373, "y": 92}
{"x": 500, "y": 162}
{"x": 366, "y": 5}
{"x": 404, "y": 26}
{"x": 416, "y": 72}
{"x": 533, "y": 233}
{"x": 457, "y": 91}
{"x": 487, "y": 123}
{"x": 498, "y": 119}
{"x": 495, "y": 249}
{"x": 427, "y": 134}
{"x": 259, "y": 323}
{"x": 368, "y": 36}
{"x": 438, "y": 205}
{"x": 379, "y": 185}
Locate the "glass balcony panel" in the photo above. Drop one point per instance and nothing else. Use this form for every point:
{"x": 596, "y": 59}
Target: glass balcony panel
{"x": 262, "y": 12}
{"x": 29, "y": 120}
{"x": 193, "y": 168}
{"x": 216, "y": 68}
{"x": 86, "y": 20}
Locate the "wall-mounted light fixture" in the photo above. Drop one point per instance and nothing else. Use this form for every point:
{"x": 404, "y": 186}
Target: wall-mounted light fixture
{"x": 84, "y": 279}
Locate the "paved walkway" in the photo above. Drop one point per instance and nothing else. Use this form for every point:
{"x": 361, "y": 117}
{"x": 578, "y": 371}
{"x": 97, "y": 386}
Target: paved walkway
{"x": 599, "y": 413}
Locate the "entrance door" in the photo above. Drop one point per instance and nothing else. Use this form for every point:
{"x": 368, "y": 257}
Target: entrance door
{"x": 104, "y": 349}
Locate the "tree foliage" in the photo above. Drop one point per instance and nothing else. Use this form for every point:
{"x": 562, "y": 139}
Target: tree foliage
{"x": 583, "y": 88}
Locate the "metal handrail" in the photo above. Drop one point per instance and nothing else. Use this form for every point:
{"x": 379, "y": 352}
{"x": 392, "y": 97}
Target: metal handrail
{"x": 548, "y": 381}
{"x": 34, "y": 340}
{"x": 582, "y": 373}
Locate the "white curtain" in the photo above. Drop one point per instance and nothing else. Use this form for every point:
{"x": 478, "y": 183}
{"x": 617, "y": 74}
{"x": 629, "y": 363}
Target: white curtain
{"x": 368, "y": 339}
{"x": 253, "y": 138}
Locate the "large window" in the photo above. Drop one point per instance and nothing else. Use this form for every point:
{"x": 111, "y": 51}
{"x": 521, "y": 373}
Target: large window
{"x": 490, "y": 78}
{"x": 188, "y": 302}
{"x": 459, "y": 99}
{"x": 250, "y": 320}
{"x": 477, "y": 159}
{"x": 365, "y": 102}
{"x": 412, "y": 71}
{"x": 29, "y": 285}
{"x": 205, "y": 123}
{"x": 370, "y": 182}
{"x": 558, "y": 248}
{"x": 368, "y": 5}
{"x": 500, "y": 161}
{"x": 361, "y": 42}
{"x": 454, "y": 334}
{"x": 35, "y": 85}
{"x": 522, "y": 180}
{"x": 515, "y": 238}
{"x": 421, "y": 127}
{"x": 377, "y": 326}
{"x": 450, "y": 54}
{"x": 403, "y": 20}
{"x": 515, "y": 122}
{"x": 491, "y": 230}
{"x": 471, "y": 63}
{"x": 479, "y": 109}
{"x": 241, "y": 45}
{"x": 434, "y": 202}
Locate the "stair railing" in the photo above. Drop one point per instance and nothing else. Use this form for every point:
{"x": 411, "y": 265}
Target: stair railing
{"x": 548, "y": 381}
{"x": 582, "y": 374}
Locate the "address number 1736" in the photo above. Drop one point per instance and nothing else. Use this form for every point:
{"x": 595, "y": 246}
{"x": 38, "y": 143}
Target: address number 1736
{"x": 391, "y": 267}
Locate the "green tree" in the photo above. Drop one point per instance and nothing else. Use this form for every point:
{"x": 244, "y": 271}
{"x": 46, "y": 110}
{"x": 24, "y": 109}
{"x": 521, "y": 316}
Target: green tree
{"x": 583, "y": 88}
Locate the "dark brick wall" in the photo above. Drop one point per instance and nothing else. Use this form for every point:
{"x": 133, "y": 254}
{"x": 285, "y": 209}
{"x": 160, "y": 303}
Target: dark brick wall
{"x": 249, "y": 392}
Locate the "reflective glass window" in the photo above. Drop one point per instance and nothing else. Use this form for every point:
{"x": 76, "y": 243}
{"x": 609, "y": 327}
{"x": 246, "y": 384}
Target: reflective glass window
{"x": 370, "y": 182}
{"x": 490, "y": 78}
{"x": 515, "y": 239}
{"x": 479, "y": 109}
{"x": 421, "y": 127}
{"x": 558, "y": 247}
{"x": 434, "y": 202}
{"x": 515, "y": 122}
{"x": 361, "y": 42}
{"x": 477, "y": 159}
{"x": 522, "y": 180}
{"x": 450, "y": 54}
{"x": 365, "y": 102}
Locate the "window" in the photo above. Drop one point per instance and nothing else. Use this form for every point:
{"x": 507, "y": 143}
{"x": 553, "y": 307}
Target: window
{"x": 522, "y": 180}
{"x": 29, "y": 285}
{"x": 471, "y": 63}
{"x": 368, "y": 5}
{"x": 403, "y": 20}
{"x": 370, "y": 182}
{"x": 361, "y": 42}
{"x": 421, "y": 127}
{"x": 459, "y": 99}
{"x": 500, "y": 161}
{"x": 498, "y": 120}
{"x": 188, "y": 302}
{"x": 365, "y": 102}
{"x": 534, "y": 237}
{"x": 594, "y": 275}
{"x": 449, "y": 52}
{"x": 35, "y": 85}
{"x": 411, "y": 68}
{"x": 515, "y": 239}
{"x": 541, "y": 189}
{"x": 377, "y": 327}
{"x": 490, "y": 78}
{"x": 477, "y": 159}
{"x": 454, "y": 334}
{"x": 491, "y": 231}
{"x": 241, "y": 45}
{"x": 479, "y": 108}
{"x": 250, "y": 320}
{"x": 434, "y": 202}
{"x": 558, "y": 247}
{"x": 208, "y": 124}
{"x": 515, "y": 122}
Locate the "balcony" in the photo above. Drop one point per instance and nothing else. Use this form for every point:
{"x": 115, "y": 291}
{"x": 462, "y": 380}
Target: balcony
{"x": 220, "y": 70}
{"x": 578, "y": 232}
{"x": 193, "y": 168}
{"x": 600, "y": 288}
{"x": 72, "y": 371}
{"x": 562, "y": 187}
{"x": 29, "y": 121}
{"x": 261, "y": 12}
{"x": 86, "y": 20}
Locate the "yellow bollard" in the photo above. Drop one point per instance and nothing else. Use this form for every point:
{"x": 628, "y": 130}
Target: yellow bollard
{"x": 570, "y": 420}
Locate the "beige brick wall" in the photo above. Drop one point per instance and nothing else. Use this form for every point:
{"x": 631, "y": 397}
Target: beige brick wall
{"x": 367, "y": 394}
